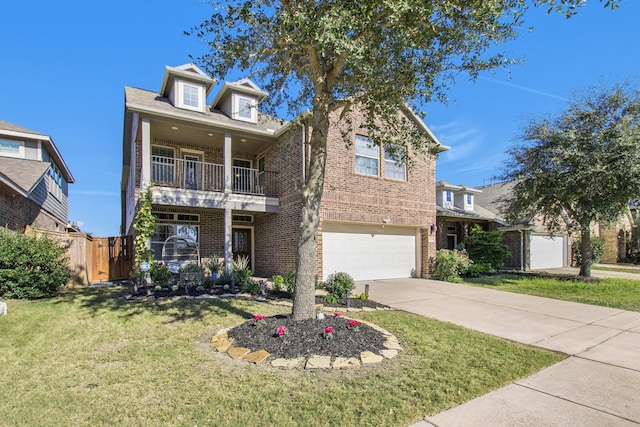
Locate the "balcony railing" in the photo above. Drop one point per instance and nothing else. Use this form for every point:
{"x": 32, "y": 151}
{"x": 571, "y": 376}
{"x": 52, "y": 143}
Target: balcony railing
{"x": 196, "y": 175}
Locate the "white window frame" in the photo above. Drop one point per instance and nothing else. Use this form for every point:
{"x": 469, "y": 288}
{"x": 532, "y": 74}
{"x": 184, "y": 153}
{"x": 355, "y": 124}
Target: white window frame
{"x": 252, "y": 110}
{"x": 182, "y": 87}
{"x": 170, "y": 219}
{"x": 393, "y": 164}
{"x": 154, "y": 174}
{"x": 367, "y": 155}
{"x": 7, "y": 152}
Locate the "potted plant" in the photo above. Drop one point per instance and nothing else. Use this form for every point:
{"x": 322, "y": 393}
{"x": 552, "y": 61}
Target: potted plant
{"x": 214, "y": 265}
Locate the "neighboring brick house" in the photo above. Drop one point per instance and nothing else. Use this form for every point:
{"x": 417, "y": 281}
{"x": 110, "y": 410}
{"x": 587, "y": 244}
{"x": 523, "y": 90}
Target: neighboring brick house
{"x": 531, "y": 247}
{"x": 34, "y": 180}
{"x": 231, "y": 178}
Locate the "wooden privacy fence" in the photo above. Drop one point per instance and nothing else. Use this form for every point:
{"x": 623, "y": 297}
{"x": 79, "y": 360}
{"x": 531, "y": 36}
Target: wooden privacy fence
{"x": 112, "y": 258}
{"x": 96, "y": 259}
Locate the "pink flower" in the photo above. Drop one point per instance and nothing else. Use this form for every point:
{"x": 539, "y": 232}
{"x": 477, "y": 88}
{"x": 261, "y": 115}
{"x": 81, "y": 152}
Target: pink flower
{"x": 337, "y": 314}
{"x": 353, "y": 325}
{"x": 281, "y": 331}
{"x": 258, "y": 319}
{"x": 328, "y": 332}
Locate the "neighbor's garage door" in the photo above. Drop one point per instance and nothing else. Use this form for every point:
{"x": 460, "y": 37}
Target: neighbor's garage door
{"x": 547, "y": 252}
{"x": 368, "y": 252}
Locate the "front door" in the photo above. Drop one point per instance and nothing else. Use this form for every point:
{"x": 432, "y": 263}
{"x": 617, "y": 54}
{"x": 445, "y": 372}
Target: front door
{"x": 192, "y": 171}
{"x": 241, "y": 243}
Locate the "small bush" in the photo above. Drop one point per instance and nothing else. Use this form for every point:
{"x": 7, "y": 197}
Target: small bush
{"x": 451, "y": 264}
{"x": 338, "y": 286}
{"x": 251, "y": 287}
{"x": 214, "y": 265}
{"x": 31, "y": 266}
{"x": 475, "y": 270}
{"x": 160, "y": 274}
{"x": 290, "y": 281}
{"x": 278, "y": 283}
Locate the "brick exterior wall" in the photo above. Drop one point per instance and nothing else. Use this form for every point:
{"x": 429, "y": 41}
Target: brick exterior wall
{"x": 17, "y": 212}
{"x": 352, "y": 197}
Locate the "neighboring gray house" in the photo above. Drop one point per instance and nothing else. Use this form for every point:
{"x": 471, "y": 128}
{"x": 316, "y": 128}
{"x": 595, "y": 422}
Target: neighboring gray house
{"x": 34, "y": 180}
{"x": 459, "y": 208}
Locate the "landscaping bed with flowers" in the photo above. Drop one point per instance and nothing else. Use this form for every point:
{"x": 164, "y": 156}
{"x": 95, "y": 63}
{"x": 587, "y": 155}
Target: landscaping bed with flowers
{"x": 334, "y": 335}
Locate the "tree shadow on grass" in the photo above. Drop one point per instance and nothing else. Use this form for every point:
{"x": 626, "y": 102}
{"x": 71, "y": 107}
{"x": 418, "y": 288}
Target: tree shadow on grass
{"x": 97, "y": 300}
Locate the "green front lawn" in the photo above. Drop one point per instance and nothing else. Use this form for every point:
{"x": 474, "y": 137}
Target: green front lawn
{"x": 90, "y": 358}
{"x": 615, "y": 293}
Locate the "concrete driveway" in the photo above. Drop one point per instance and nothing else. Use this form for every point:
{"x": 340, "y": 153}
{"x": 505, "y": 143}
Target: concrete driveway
{"x": 599, "y": 385}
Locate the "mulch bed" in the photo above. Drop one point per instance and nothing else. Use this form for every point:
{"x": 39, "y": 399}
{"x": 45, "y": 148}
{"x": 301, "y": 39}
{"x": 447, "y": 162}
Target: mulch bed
{"x": 304, "y": 338}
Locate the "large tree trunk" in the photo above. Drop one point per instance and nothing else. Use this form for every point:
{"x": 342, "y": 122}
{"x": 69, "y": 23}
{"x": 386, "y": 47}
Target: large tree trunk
{"x": 585, "y": 251}
{"x": 306, "y": 262}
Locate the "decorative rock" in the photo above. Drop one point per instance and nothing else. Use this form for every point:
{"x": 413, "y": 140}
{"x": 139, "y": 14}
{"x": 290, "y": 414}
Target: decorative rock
{"x": 392, "y": 344}
{"x": 260, "y": 299}
{"x": 287, "y": 363}
{"x": 283, "y": 303}
{"x": 228, "y": 296}
{"x": 223, "y": 345}
{"x": 238, "y": 352}
{"x": 370, "y": 358}
{"x": 368, "y": 309}
{"x": 346, "y": 363}
{"x": 204, "y": 296}
{"x": 243, "y": 296}
{"x": 377, "y": 328}
{"x": 318, "y": 362}
{"x": 389, "y": 354}
{"x": 257, "y": 356}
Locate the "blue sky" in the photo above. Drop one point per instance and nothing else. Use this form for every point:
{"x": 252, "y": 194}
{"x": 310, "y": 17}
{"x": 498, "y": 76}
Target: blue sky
{"x": 65, "y": 65}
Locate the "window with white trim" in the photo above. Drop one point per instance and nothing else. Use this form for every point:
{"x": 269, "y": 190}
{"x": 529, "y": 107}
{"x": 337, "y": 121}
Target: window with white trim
{"x": 244, "y": 108}
{"x": 367, "y": 156}
{"x": 173, "y": 224}
{"x": 395, "y": 169}
{"x": 368, "y": 159}
{"x": 190, "y": 96}
{"x": 11, "y": 148}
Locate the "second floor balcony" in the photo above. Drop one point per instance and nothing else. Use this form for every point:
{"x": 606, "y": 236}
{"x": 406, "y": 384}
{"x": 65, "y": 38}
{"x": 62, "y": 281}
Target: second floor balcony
{"x": 202, "y": 176}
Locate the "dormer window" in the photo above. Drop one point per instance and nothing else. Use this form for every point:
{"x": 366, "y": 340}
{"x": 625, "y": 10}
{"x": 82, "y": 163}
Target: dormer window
{"x": 244, "y": 108}
{"x": 191, "y": 96}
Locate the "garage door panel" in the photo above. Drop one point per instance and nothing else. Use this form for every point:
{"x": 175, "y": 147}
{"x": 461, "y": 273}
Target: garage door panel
{"x": 368, "y": 252}
{"x": 547, "y": 252}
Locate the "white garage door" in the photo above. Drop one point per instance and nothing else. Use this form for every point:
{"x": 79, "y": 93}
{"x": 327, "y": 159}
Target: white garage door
{"x": 547, "y": 252}
{"x": 368, "y": 252}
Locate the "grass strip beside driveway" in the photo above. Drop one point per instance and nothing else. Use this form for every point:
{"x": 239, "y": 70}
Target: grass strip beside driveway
{"x": 92, "y": 358}
{"x": 614, "y": 293}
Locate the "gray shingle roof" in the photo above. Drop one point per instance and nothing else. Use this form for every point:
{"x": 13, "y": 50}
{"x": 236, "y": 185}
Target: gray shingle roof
{"x": 21, "y": 173}
{"x": 147, "y": 99}
{"x": 15, "y": 128}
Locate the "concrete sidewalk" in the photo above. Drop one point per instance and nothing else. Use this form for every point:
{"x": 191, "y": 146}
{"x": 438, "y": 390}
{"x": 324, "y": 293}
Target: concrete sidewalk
{"x": 599, "y": 385}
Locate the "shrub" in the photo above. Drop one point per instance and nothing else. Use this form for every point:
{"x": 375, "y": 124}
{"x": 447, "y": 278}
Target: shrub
{"x": 214, "y": 265}
{"x": 476, "y": 270}
{"x": 251, "y": 287}
{"x": 278, "y": 282}
{"x": 160, "y": 274}
{"x": 241, "y": 272}
{"x": 290, "y": 281}
{"x": 451, "y": 264}
{"x": 31, "y": 266}
{"x": 338, "y": 286}
{"x": 597, "y": 250}
{"x": 486, "y": 247}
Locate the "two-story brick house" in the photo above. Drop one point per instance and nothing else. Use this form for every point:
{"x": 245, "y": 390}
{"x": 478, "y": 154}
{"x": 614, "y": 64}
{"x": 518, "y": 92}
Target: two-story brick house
{"x": 34, "y": 180}
{"x": 230, "y": 178}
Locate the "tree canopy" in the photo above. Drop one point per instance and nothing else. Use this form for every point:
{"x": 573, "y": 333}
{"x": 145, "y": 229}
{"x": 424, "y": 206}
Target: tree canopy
{"x": 330, "y": 56}
{"x": 580, "y": 166}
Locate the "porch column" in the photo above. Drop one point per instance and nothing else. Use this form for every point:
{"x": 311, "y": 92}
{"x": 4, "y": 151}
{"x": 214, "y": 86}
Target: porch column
{"x": 228, "y": 164}
{"x": 228, "y": 250}
{"x": 228, "y": 189}
{"x": 145, "y": 136}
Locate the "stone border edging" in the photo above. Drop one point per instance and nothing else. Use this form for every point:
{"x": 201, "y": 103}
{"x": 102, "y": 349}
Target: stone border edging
{"x": 224, "y": 344}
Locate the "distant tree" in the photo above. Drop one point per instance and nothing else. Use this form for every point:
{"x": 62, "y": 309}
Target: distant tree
{"x": 330, "y": 57}
{"x": 580, "y": 166}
